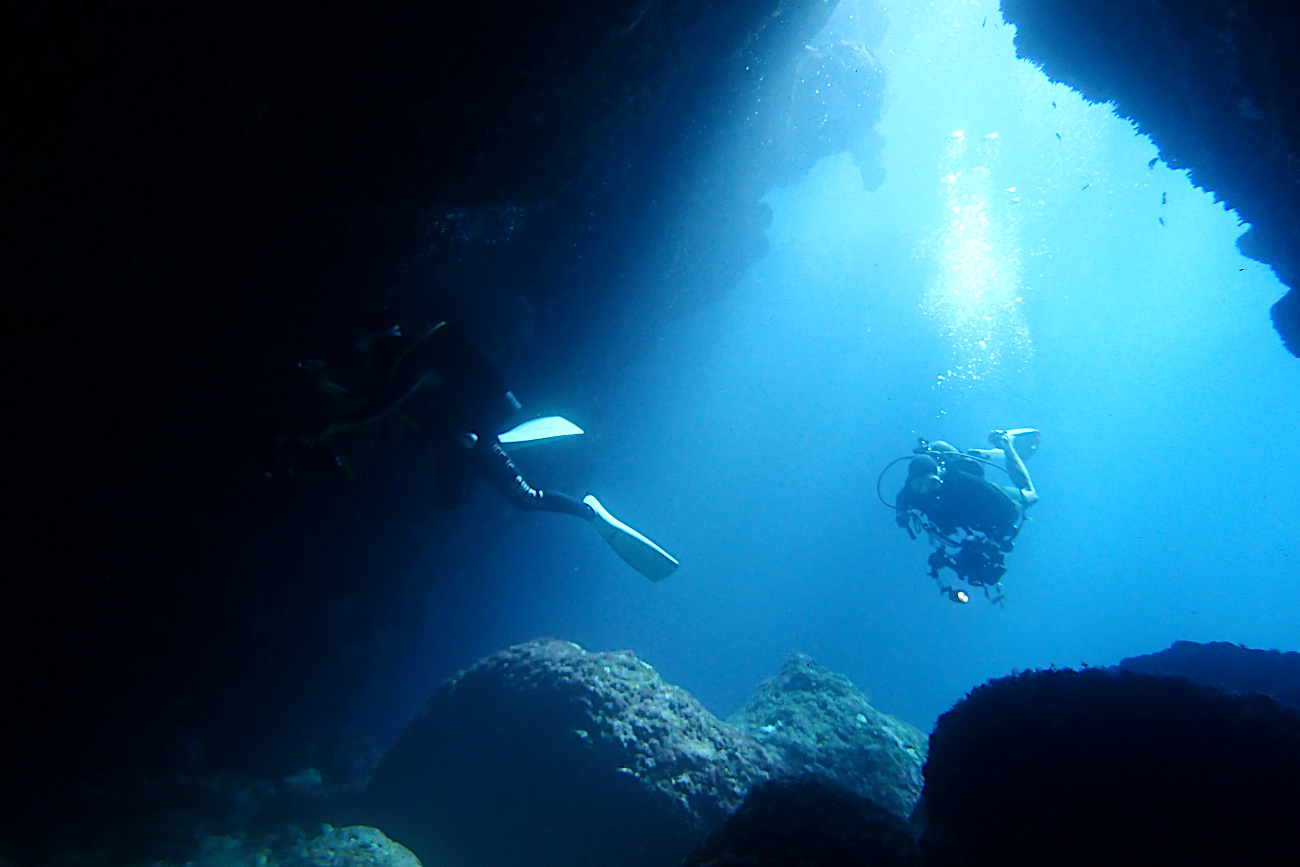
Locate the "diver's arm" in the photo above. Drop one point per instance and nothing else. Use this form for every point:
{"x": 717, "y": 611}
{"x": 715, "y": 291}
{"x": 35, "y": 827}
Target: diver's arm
{"x": 903, "y": 506}
{"x": 385, "y": 398}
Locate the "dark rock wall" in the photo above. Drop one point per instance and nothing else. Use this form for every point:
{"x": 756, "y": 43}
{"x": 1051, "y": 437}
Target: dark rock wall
{"x": 1214, "y": 83}
{"x": 1229, "y": 667}
{"x": 198, "y": 197}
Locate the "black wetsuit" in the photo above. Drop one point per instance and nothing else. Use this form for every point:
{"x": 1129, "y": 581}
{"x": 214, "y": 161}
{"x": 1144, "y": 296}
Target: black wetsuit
{"x": 447, "y": 390}
{"x": 967, "y": 502}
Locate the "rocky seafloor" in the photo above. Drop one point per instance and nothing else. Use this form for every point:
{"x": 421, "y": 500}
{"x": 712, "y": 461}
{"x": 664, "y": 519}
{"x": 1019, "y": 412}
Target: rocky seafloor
{"x": 546, "y": 754}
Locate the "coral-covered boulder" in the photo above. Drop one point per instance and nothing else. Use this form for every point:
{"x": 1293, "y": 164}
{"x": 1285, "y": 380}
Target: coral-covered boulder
{"x": 546, "y": 754}
{"x": 356, "y": 846}
{"x": 817, "y": 722}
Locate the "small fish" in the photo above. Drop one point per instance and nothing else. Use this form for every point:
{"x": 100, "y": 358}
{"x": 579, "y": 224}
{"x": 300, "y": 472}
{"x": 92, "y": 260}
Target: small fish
{"x": 1164, "y": 198}
{"x": 1162, "y": 221}
{"x": 1151, "y": 164}
{"x": 1058, "y": 136}
{"x": 985, "y": 21}
{"x": 1053, "y": 103}
{"x": 1085, "y": 186}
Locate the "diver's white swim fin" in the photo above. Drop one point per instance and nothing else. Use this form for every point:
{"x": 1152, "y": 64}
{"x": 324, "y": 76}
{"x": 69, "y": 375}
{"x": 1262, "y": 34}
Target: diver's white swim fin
{"x": 640, "y": 553}
{"x": 1026, "y": 439}
{"x": 539, "y": 430}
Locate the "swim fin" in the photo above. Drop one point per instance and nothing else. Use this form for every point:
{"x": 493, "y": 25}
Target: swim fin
{"x": 1026, "y": 439}
{"x": 539, "y": 430}
{"x": 640, "y": 553}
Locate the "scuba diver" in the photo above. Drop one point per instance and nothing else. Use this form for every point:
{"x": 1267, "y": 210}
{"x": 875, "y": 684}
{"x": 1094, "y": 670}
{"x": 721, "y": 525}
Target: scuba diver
{"x": 446, "y": 392}
{"x": 971, "y": 521}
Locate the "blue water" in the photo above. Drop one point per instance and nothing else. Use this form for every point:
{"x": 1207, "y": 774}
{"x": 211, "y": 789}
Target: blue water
{"x": 1043, "y": 277}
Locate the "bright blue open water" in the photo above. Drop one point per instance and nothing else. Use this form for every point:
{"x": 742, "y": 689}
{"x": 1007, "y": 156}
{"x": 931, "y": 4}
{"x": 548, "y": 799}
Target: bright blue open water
{"x": 1015, "y": 274}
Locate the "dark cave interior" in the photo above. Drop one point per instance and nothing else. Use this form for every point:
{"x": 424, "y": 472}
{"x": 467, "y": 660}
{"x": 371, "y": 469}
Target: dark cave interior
{"x": 200, "y": 196}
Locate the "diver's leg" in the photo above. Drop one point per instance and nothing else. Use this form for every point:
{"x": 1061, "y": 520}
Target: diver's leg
{"x": 492, "y": 462}
{"x": 1016, "y": 467}
{"x": 636, "y": 550}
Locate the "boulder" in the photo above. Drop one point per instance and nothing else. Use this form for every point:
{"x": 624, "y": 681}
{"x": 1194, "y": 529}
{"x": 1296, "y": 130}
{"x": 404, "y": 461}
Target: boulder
{"x": 546, "y": 754}
{"x": 817, "y": 722}
{"x": 356, "y": 846}
{"x": 1098, "y": 766}
{"x": 810, "y": 822}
